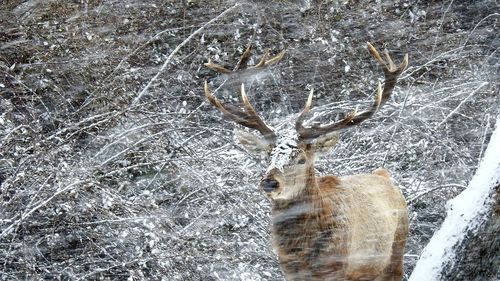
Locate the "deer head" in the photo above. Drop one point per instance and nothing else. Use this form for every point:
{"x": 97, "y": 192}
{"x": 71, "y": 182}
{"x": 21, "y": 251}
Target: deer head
{"x": 291, "y": 151}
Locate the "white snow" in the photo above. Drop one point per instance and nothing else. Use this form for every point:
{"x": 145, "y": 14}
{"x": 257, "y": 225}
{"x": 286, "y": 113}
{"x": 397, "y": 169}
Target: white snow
{"x": 465, "y": 212}
{"x": 283, "y": 152}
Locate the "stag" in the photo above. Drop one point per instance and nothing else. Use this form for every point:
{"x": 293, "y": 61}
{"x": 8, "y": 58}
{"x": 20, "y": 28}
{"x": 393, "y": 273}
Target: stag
{"x": 325, "y": 228}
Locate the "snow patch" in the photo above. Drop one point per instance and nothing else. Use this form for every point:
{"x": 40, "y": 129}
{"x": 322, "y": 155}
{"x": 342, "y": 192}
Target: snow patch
{"x": 283, "y": 152}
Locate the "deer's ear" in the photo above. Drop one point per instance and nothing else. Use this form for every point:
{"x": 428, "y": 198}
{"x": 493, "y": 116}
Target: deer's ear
{"x": 323, "y": 144}
{"x": 251, "y": 142}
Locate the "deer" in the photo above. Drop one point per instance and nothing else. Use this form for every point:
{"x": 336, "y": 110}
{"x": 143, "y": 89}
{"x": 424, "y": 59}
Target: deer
{"x": 330, "y": 227}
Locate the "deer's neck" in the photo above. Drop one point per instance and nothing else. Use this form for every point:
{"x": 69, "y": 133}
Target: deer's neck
{"x": 301, "y": 227}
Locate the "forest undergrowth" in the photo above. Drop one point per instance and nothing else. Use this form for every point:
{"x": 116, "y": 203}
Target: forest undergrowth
{"x": 113, "y": 166}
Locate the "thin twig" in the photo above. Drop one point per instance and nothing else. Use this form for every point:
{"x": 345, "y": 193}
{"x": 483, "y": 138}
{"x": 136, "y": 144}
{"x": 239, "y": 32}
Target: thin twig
{"x": 446, "y": 90}
{"x": 479, "y": 23}
{"x": 109, "y": 268}
{"x": 416, "y": 197}
{"x": 440, "y": 28}
{"x": 167, "y": 61}
{"x": 461, "y": 103}
{"x": 24, "y": 216}
{"x": 483, "y": 142}
{"x": 153, "y": 39}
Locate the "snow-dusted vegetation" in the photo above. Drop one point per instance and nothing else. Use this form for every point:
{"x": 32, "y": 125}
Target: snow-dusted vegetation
{"x": 113, "y": 166}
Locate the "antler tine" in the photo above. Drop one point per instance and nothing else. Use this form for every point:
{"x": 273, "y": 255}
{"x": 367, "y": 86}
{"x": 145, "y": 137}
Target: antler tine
{"x": 263, "y": 59}
{"x": 299, "y": 123}
{"x": 275, "y": 59}
{"x": 242, "y": 63}
{"x": 217, "y": 67}
{"x": 391, "y": 73}
{"x": 247, "y": 117}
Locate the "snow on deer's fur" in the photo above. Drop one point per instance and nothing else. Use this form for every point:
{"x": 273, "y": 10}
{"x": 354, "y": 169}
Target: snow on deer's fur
{"x": 325, "y": 228}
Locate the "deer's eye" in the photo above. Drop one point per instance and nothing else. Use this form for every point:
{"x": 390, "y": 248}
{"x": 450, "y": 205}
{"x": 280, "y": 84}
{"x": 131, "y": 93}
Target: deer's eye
{"x": 302, "y": 160}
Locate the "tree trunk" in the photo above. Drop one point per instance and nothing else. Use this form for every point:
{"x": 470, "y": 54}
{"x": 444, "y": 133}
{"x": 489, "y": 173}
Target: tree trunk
{"x": 477, "y": 256}
{"x": 467, "y": 245}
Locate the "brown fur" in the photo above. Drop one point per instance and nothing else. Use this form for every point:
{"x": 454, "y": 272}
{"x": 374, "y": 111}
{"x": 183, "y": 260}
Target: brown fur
{"x": 382, "y": 172}
{"x": 350, "y": 228}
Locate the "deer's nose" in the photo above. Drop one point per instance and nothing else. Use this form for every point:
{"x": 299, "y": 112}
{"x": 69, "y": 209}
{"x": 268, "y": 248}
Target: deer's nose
{"x": 269, "y": 185}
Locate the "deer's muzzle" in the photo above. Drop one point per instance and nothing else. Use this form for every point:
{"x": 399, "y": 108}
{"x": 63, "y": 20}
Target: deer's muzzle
{"x": 269, "y": 185}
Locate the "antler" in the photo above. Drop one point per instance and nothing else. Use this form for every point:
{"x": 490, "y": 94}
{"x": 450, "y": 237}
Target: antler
{"x": 391, "y": 73}
{"x": 242, "y": 63}
{"x": 247, "y": 116}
